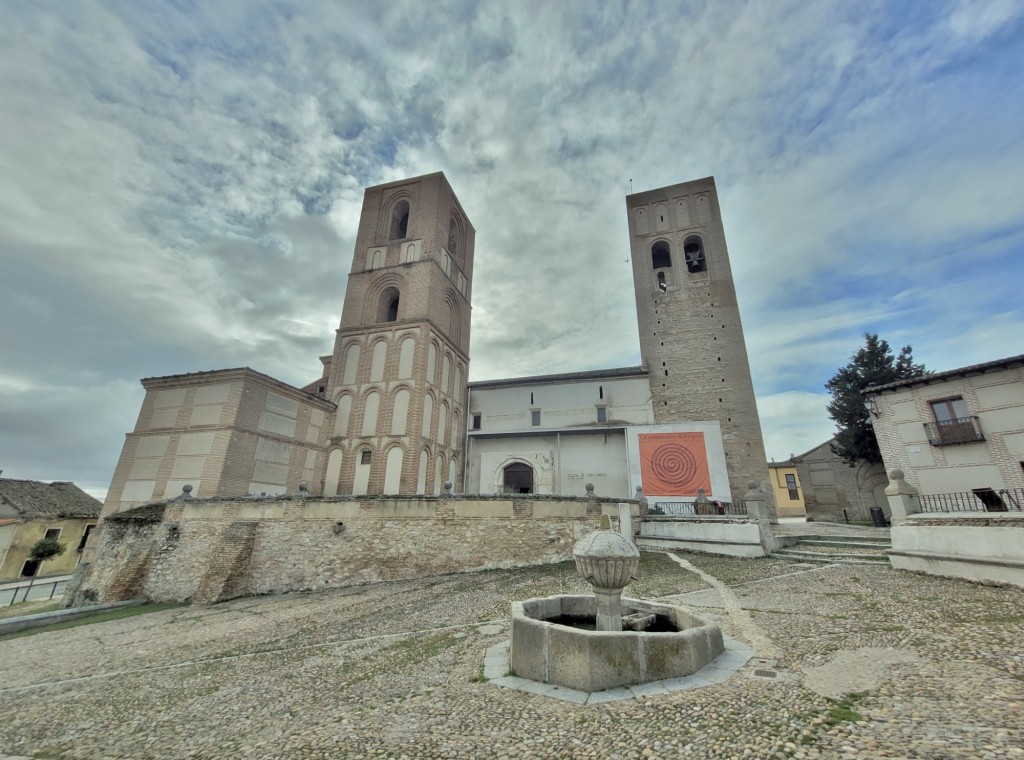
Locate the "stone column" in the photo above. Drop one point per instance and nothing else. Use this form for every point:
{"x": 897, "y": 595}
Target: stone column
{"x": 758, "y": 509}
{"x": 903, "y": 499}
{"x": 626, "y": 521}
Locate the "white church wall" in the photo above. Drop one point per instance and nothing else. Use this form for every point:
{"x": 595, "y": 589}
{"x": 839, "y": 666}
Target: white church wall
{"x": 508, "y": 408}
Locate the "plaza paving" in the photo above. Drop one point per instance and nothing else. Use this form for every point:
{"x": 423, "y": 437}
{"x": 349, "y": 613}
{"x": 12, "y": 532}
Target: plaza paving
{"x": 935, "y": 666}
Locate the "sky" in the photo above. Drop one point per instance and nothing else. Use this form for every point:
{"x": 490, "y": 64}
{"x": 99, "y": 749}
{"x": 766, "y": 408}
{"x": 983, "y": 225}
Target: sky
{"x": 180, "y": 185}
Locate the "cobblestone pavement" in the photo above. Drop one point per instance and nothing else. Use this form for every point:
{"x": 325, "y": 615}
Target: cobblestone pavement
{"x": 869, "y": 662}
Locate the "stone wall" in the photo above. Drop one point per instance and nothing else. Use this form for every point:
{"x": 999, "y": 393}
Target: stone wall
{"x": 830, "y": 485}
{"x": 210, "y": 550}
{"x": 980, "y": 547}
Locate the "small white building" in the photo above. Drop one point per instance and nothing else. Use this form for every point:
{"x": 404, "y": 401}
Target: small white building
{"x": 956, "y": 431}
{"x": 553, "y": 434}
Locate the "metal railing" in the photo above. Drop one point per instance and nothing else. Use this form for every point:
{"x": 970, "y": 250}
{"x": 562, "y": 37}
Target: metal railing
{"x": 697, "y": 509}
{"x": 977, "y": 500}
{"x": 40, "y": 591}
{"x": 959, "y": 430}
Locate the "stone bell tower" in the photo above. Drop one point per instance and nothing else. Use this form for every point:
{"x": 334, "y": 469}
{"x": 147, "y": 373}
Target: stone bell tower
{"x": 691, "y": 338}
{"x": 401, "y": 358}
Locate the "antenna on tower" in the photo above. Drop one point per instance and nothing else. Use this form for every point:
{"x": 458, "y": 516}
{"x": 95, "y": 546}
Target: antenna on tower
{"x": 630, "y": 186}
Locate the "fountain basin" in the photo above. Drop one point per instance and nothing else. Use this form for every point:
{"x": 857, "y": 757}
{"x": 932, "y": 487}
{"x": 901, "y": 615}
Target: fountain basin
{"x": 588, "y": 660}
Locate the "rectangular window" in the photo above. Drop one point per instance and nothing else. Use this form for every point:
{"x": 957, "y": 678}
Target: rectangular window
{"x": 364, "y": 456}
{"x": 52, "y": 534}
{"x": 535, "y": 417}
{"x": 602, "y": 414}
{"x": 953, "y": 423}
{"x": 794, "y": 494}
{"x": 85, "y": 537}
{"x": 477, "y": 418}
{"x": 30, "y": 568}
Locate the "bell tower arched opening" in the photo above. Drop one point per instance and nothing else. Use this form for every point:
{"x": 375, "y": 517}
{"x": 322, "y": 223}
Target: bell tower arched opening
{"x": 399, "y": 221}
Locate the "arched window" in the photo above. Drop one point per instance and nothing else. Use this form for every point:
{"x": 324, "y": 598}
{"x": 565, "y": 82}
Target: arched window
{"x": 453, "y": 237}
{"x": 517, "y": 478}
{"x": 693, "y": 250}
{"x": 399, "y": 221}
{"x": 388, "y": 311}
{"x": 661, "y": 255}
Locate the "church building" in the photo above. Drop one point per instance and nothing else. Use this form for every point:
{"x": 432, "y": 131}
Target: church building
{"x": 393, "y": 412}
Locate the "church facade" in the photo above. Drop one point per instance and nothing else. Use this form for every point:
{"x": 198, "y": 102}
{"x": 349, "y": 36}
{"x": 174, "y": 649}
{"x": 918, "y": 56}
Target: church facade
{"x": 393, "y": 411}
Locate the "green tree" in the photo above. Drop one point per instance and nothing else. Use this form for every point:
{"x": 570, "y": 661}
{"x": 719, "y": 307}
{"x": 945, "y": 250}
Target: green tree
{"x": 873, "y": 364}
{"x": 42, "y": 550}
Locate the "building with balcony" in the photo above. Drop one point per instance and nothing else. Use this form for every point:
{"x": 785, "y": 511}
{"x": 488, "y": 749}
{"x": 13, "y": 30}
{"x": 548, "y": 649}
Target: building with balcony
{"x": 958, "y": 431}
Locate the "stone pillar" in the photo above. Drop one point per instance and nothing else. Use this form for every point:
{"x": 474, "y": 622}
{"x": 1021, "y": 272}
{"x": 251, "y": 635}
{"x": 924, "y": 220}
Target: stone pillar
{"x": 758, "y": 509}
{"x": 626, "y": 521}
{"x": 903, "y": 500}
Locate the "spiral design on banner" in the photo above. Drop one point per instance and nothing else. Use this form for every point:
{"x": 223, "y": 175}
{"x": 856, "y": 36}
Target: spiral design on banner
{"x": 674, "y": 463}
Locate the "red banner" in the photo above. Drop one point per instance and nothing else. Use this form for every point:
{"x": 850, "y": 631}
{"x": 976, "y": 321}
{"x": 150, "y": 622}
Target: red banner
{"x": 674, "y": 464}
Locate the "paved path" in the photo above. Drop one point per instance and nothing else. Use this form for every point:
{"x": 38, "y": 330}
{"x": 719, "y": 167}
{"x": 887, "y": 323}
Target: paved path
{"x": 393, "y": 670}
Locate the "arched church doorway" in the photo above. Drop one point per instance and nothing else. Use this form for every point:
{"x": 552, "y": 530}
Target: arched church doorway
{"x": 518, "y": 478}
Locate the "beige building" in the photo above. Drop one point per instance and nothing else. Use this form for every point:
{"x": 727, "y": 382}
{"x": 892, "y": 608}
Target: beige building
{"x": 835, "y": 491}
{"x": 785, "y": 482}
{"x": 390, "y": 412}
{"x": 31, "y": 511}
{"x": 956, "y": 431}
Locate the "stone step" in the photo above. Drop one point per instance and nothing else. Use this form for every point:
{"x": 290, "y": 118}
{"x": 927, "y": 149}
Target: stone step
{"x": 831, "y": 559}
{"x": 874, "y": 549}
{"x": 817, "y": 537}
{"x": 881, "y": 543}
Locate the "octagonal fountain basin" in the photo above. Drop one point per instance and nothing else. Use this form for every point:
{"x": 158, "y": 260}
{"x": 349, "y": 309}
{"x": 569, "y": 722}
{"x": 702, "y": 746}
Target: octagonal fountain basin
{"x": 551, "y": 643}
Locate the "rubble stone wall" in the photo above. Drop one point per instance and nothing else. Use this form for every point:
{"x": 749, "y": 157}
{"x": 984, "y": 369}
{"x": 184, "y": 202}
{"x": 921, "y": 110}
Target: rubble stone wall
{"x": 210, "y": 550}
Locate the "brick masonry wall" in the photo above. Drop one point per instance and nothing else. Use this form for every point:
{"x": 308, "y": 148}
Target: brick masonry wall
{"x": 208, "y": 550}
{"x": 691, "y": 336}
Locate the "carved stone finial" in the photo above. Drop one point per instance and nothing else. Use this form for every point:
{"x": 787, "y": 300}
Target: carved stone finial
{"x": 303, "y": 489}
{"x": 590, "y": 489}
{"x": 448, "y": 488}
{"x": 186, "y": 492}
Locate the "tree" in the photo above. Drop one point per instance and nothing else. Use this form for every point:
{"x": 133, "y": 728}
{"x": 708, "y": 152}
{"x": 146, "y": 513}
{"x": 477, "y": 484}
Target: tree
{"x": 42, "y": 550}
{"x": 873, "y": 364}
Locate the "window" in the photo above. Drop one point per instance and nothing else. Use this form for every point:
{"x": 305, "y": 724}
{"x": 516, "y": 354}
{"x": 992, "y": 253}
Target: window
{"x": 399, "y": 221}
{"x": 453, "y": 237}
{"x": 85, "y": 538}
{"x": 693, "y": 250}
{"x": 953, "y": 423}
{"x": 476, "y": 421}
{"x": 661, "y": 255}
{"x": 794, "y": 494}
{"x": 52, "y": 534}
{"x": 602, "y": 414}
{"x": 30, "y": 568}
{"x": 535, "y": 417}
{"x": 517, "y": 478}
{"x": 365, "y": 456}
{"x": 388, "y": 309}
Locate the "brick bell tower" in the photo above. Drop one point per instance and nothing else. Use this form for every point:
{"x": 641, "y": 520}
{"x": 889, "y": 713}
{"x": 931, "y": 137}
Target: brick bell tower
{"x": 401, "y": 358}
{"x": 691, "y": 338}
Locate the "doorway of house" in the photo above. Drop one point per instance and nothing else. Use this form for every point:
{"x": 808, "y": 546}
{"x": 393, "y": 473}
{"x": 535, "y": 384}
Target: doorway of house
{"x": 518, "y": 478}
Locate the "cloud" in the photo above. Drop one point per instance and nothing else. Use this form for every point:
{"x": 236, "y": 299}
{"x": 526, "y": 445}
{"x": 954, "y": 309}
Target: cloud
{"x": 181, "y": 184}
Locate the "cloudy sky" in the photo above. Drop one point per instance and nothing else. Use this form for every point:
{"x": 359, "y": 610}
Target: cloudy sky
{"x": 180, "y": 185}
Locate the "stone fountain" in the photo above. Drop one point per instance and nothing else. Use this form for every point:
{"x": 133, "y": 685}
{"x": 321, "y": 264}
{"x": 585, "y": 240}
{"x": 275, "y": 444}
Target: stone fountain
{"x": 592, "y": 643}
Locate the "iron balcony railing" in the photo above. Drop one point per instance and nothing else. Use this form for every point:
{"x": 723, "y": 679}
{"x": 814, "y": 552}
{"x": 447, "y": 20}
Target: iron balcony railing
{"x": 978, "y": 500}
{"x": 959, "y": 430}
{"x": 697, "y": 509}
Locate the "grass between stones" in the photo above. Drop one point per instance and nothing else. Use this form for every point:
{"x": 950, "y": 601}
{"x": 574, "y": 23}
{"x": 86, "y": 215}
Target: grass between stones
{"x": 99, "y": 617}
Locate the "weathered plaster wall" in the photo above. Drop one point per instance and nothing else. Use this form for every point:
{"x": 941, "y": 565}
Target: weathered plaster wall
{"x": 209, "y": 550}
